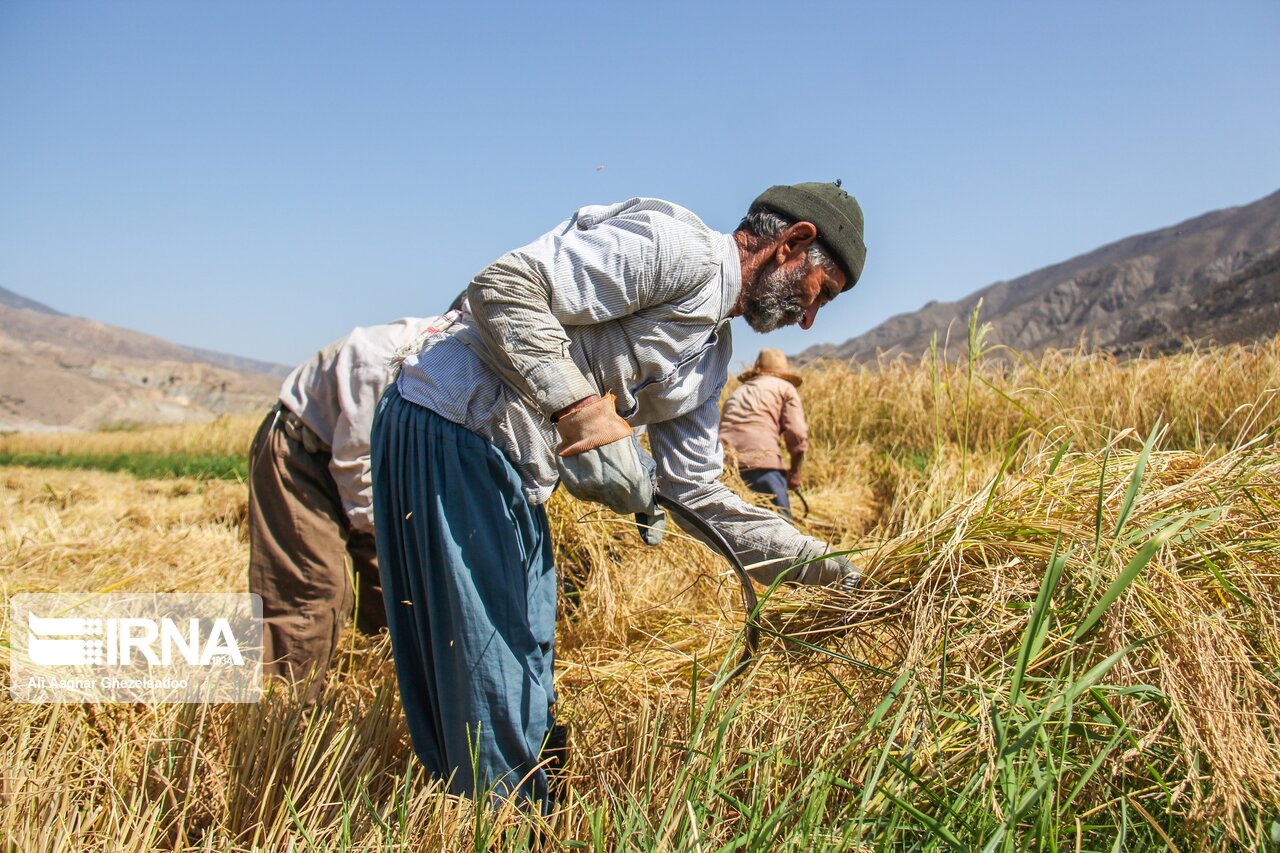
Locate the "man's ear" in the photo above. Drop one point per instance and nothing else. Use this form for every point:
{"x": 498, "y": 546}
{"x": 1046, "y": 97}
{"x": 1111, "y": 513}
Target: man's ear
{"x": 796, "y": 240}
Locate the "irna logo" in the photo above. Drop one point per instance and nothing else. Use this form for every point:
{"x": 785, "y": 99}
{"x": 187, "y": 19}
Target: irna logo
{"x": 57, "y": 641}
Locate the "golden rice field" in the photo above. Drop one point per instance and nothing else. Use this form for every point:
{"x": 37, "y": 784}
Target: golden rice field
{"x": 1069, "y": 639}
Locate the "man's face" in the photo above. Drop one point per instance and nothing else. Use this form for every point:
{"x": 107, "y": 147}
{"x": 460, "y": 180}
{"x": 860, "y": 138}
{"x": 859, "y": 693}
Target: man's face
{"x": 789, "y": 293}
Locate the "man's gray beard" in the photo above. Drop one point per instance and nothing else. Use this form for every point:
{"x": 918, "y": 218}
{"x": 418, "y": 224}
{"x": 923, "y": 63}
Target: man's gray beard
{"x": 777, "y": 301}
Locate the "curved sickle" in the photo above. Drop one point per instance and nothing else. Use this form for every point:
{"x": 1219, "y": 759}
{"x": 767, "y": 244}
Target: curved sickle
{"x": 751, "y": 639}
{"x": 800, "y": 495}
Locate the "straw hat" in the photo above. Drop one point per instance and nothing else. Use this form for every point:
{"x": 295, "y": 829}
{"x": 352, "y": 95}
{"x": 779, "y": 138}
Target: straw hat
{"x": 771, "y": 362}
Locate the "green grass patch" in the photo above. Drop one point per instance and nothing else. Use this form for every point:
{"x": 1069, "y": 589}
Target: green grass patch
{"x": 916, "y": 460}
{"x": 144, "y": 466}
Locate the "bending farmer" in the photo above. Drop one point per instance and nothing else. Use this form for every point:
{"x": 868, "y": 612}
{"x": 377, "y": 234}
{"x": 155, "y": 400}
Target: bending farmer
{"x": 617, "y": 317}
{"x": 765, "y": 406}
{"x": 310, "y": 502}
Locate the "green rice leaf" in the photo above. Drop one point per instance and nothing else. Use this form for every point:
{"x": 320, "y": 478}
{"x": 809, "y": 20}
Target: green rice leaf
{"x": 1139, "y": 561}
{"x": 1135, "y": 480}
{"x": 1038, "y": 625}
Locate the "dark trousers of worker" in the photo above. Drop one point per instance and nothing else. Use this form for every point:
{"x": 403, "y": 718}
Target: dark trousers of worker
{"x": 300, "y": 543}
{"x": 769, "y": 481}
{"x": 469, "y": 580}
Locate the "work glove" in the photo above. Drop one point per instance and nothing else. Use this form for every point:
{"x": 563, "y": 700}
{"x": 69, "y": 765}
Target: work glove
{"x": 652, "y": 525}
{"x": 601, "y": 461}
{"x": 822, "y": 570}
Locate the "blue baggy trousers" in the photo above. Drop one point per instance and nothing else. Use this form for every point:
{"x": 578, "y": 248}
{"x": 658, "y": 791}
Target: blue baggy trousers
{"x": 770, "y": 482}
{"x": 469, "y": 582}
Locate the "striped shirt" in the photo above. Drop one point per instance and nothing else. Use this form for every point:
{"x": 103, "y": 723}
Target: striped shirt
{"x": 632, "y": 298}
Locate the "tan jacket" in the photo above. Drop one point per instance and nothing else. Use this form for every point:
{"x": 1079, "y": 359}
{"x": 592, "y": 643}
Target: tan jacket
{"x": 755, "y": 415}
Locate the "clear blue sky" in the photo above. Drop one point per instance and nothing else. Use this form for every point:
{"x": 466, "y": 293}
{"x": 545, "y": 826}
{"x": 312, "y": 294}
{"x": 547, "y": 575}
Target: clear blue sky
{"x": 258, "y": 177}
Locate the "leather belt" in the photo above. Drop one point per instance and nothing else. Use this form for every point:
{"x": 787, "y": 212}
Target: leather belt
{"x": 296, "y": 429}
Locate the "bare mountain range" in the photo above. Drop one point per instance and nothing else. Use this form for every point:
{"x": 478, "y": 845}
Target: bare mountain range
{"x": 63, "y": 372}
{"x": 1214, "y": 279}
{"x": 1211, "y": 279}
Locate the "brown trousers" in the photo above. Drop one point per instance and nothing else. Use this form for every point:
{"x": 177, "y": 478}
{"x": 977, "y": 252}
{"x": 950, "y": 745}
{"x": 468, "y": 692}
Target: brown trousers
{"x": 300, "y": 543}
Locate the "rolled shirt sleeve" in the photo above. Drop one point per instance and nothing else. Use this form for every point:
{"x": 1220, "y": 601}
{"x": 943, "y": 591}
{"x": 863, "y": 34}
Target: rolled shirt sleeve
{"x": 689, "y": 464}
{"x": 603, "y": 264}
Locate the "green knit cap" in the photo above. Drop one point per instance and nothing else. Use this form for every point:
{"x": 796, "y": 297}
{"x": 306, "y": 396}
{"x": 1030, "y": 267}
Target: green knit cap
{"x": 835, "y": 213}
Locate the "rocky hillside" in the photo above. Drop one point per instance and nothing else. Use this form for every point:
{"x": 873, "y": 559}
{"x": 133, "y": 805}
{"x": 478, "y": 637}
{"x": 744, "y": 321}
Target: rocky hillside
{"x": 62, "y": 372}
{"x": 1212, "y": 279}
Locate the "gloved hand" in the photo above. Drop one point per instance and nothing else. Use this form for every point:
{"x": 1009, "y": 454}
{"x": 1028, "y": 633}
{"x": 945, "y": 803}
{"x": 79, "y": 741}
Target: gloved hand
{"x": 824, "y": 570}
{"x": 850, "y": 583}
{"x": 601, "y": 461}
{"x": 652, "y": 525}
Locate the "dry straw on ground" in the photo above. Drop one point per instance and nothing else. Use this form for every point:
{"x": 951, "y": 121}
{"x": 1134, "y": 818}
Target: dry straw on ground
{"x": 1068, "y": 636}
